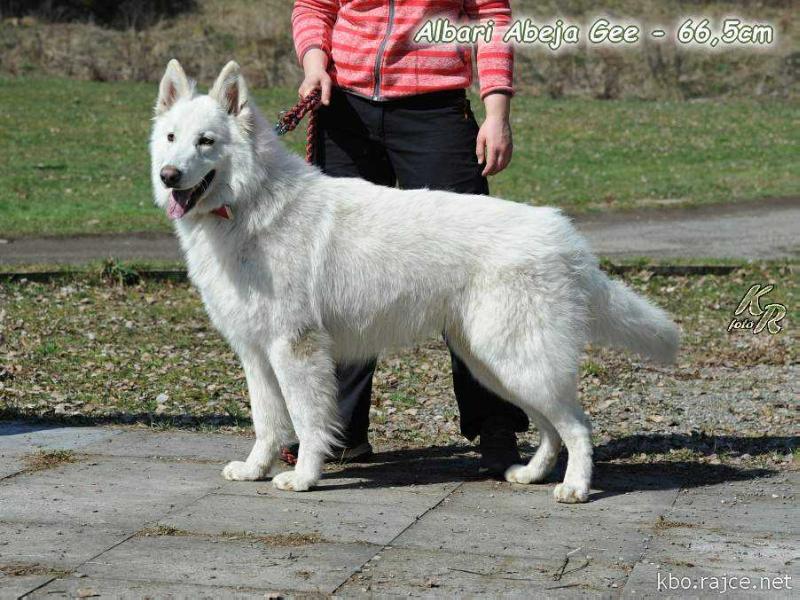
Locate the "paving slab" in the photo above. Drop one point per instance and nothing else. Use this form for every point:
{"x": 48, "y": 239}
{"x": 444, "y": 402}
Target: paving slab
{"x": 397, "y": 572}
{"x": 73, "y": 587}
{"x": 735, "y": 550}
{"x": 55, "y": 545}
{"x": 481, "y": 517}
{"x": 335, "y": 521}
{"x": 653, "y": 581}
{"x": 746, "y": 528}
{"x": 537, "y": 500}
{"x": 146, "y": 513}
{"x": 760, "y": 505}
{"x": 20, "y": 439}
{"x": 612, "y": 540}
{"x": 173, "y": 444}
{"x": 16, "y": 587}
{"x": 11, "y": 465}
{"x": 752, "y": 519}
{"x": 770, "y": 489}
{"x": 397, "y": 469}
{"x": 105, "y": 491}
{"x": 335, "y": 488}
{"x": 212, "y": 561}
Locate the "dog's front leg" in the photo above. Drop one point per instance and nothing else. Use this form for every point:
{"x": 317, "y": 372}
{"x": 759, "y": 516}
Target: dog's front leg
{"x": 306, "y": 374}
{"x": 270, "y": 419}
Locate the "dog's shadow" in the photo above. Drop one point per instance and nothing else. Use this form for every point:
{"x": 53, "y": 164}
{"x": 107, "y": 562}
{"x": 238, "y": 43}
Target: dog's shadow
{"x": 680, "y": 461}
{"x": 688, "y": 465}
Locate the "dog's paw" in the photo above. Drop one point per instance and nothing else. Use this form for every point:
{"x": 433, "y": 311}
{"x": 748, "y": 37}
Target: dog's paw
{"x": 570, "y": 494}
{"x": 525, "y": 474}
{"x": 518, "y": 474}
{"x": 291, "y": 481}
{"x": 242, "y": 471}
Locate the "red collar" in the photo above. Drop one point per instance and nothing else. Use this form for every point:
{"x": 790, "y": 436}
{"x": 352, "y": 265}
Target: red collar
{"x": 223, "y": 212}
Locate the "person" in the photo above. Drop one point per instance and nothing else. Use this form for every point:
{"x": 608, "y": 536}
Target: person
{"x": 396, "y": 113}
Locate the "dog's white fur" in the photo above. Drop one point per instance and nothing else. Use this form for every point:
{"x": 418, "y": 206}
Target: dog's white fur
{"x": 313, "y": 270}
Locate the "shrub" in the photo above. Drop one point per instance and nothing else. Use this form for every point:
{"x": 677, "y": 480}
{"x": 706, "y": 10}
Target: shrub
{"x": 128, "y": 14}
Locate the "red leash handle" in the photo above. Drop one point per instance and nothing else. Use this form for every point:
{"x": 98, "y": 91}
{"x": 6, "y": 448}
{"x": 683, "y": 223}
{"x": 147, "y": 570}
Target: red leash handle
{"x": 290, "y": 119}
{"x": 311, "y": 137}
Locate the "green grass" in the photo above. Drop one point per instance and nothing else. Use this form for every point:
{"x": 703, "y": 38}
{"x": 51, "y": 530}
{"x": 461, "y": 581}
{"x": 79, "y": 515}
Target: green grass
{"x": 75, "y": 154}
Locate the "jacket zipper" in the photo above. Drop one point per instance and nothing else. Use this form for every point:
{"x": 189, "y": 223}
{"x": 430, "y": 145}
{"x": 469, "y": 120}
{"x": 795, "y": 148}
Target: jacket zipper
{"x": 376, "y": 92}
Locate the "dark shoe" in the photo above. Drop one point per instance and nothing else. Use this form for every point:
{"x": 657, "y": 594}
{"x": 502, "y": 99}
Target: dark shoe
{"x": 339, "y": 455}
{"x": 498, "y": 448}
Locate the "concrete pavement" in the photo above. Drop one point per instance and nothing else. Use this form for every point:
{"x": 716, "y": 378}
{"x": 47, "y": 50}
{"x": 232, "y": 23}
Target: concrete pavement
{"x": 749, "y": 230}
{"x": 142, "y": 513}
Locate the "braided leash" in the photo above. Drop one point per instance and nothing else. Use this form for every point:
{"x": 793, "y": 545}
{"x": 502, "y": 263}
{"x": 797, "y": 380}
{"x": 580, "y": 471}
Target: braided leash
{"x": 290, "y": 119}
{"x": 287, "y": 122}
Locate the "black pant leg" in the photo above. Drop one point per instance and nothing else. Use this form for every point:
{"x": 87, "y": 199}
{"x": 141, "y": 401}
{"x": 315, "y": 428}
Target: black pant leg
{"x": 431, "y": 143}
{"x": 347, "y": 146}
{"x": 355, "y": 396}
{"x": 480, "y": 407}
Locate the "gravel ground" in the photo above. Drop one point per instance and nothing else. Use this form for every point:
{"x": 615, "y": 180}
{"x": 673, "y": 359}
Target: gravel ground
{"x": 145, "y": 355}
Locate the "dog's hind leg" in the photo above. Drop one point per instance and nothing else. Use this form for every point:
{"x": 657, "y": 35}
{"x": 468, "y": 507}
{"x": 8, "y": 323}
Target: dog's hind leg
{"x": 306, "y": 374}
{"x": 545, "y": 457}
{"x": 558, "y": 406}
{"x": 270, "y": 419}
{"x": 572, "y": 425}
{"x": 534, "y": 356}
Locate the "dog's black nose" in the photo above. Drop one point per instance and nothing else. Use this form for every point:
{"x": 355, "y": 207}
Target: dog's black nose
{"x": 171, "y": 176}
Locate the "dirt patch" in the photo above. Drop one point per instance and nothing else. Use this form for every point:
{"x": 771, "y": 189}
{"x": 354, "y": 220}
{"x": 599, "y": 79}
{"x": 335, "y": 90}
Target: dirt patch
{"x": 307, "y": 343}
{"x": 277, "y": 539}
{"x": 49, "y": 459}
{"x": 162, "y": 531}
{"x": 662, "y": 524}
{"x": 29, "y": 569}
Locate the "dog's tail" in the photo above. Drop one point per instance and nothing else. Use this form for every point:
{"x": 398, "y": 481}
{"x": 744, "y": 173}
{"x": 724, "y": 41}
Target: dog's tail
{"x": 621, "y": 318}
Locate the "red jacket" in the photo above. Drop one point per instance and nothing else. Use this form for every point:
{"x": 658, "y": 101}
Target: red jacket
{"x": 374, "y": 55}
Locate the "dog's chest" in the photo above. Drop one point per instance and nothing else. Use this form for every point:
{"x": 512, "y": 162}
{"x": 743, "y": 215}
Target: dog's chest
{"x": 253, "y": 289}
{"x": 226, "y": 286}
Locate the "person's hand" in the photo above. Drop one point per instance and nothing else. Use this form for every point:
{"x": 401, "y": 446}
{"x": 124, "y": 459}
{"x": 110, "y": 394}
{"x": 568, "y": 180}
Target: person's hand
{"x": 315, "y": 67}
{"x": 495, "y": 145}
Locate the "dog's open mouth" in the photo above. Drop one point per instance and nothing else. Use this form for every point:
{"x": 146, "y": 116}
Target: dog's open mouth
{"x": 182, "y": 201}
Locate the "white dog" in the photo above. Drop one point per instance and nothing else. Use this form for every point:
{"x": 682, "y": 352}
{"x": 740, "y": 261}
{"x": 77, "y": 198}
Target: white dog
{"x": 299, "y": 270}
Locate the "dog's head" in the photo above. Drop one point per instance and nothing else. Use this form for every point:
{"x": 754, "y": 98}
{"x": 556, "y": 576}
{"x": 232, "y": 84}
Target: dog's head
{"x": 194, "y": 140}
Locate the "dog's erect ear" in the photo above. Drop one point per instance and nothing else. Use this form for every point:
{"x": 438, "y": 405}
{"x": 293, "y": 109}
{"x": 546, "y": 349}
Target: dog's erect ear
{"x": 174, "y": 86}
{"x": 230, "y": 89}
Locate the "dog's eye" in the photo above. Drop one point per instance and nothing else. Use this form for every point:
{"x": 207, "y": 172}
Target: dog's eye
{"x": 170, "y": 137}
{"x": 205, "y": 141}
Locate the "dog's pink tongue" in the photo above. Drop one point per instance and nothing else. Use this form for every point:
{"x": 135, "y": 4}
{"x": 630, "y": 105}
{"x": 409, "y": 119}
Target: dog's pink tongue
{"x": 177, "y": 205}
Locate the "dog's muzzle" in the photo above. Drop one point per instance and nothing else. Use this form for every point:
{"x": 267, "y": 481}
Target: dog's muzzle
{"x": 182, "y": 201}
